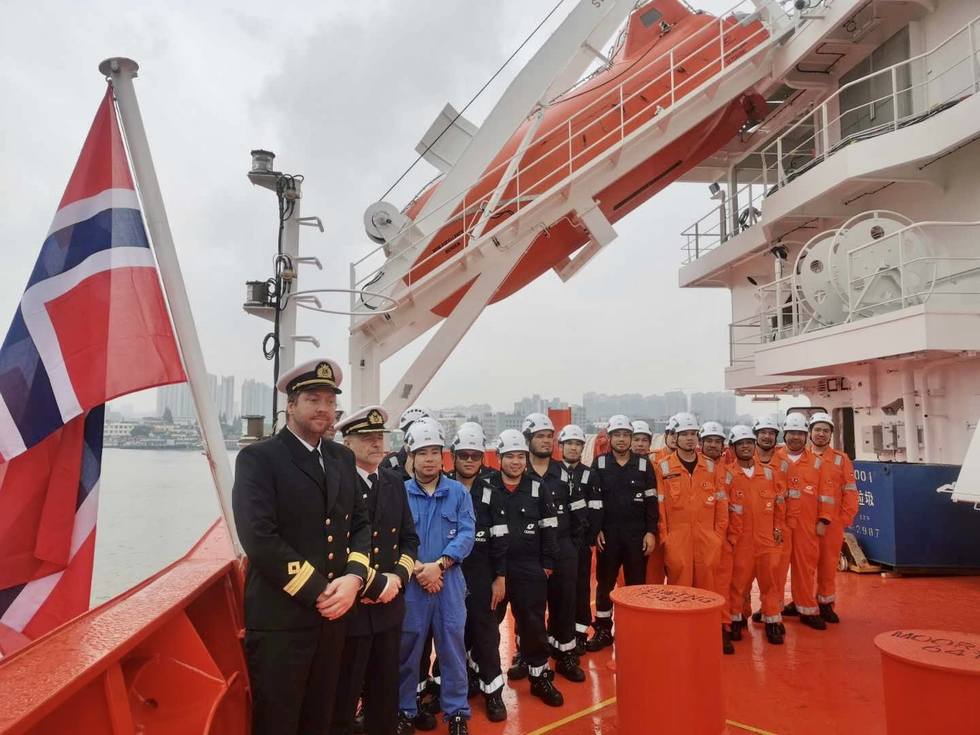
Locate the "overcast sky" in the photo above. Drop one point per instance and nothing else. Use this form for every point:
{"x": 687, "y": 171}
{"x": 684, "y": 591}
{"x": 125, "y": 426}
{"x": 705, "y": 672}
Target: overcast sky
{"x": 342, "y": 92}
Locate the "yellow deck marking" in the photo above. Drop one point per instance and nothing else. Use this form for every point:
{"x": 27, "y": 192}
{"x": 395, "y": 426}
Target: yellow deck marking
{"x": 749, "y": 728}
{"x": 572, "y": 718}
{"x": 612, "y": 700}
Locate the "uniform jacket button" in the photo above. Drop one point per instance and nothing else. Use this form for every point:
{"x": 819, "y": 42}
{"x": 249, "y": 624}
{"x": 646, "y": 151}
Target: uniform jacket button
{"x": 394, "y": 530}
{"x": 375, "y": 534}
{"x": 330, "y": 576}
{"x": 329, "y": 539}
{"x": 328, "y": 521}
{"x": 377, "y": 550}
{"x": 330, "y": 555}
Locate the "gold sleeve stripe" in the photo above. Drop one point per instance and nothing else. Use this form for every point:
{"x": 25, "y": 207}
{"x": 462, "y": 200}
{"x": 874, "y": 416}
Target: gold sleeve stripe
{"x": 356, "y": 557}
{"x": 406, "y": 562}
{"x": 302, "y": 577}
{"x": 370, "y": 577}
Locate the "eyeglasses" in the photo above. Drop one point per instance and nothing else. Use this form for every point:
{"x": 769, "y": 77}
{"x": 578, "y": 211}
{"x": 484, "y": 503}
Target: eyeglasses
{"x": 469, "y": 456}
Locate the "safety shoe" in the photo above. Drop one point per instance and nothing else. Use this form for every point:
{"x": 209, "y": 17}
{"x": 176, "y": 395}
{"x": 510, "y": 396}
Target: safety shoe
{"x": 580, "y": 640}
{"x": 405, "y": 726}
{"x": 773, "y": 634}
{"x": 472, "y": 685}
{"x": 727, "y": 647}
{"x": 737, "y": 630}
{"x": 602, "y": 638}
{"x": 518, "y": 668}
{"x": 568, "y": 667}
{"x": 496, "y": 709}
{"x": 543, "y": 689}
{"x": 425, "y": 721}
{"x": 428, "y": 698}
{"x": 790, "y": 611}
{"x": 757, "y": 616}
{"x": 814, "y": 621}
{"x": 827, "y": 612}
{"x": 458, "y": 726}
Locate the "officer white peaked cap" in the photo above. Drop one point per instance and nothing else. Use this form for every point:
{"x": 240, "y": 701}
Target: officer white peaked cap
{"x": 536, "y": 422}
{"x": 511, "y": 440}
{"x": 319, "y": 373}
{"x": 370, "y": 419}
{"x": 712, "y": 428}
{"x": 686, "y": 422}
{"x": 469, "y": 438}
{"x": 740, "y": 432}
{"x": 795, "y": 422}
{"x": 571, "y": 433}
{"x": 618, "y": 422}
{"x": 642, "y": 427}
{"x": 423, "y": 434}
{"x": 671, "y": 425}
{"x": 412, "y": 414}
{"x": 765, "y": 422}
{"x": 821, "y": 418}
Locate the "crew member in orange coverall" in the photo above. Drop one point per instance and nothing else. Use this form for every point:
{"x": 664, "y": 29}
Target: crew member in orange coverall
{"x": 656, "y": 568}
{"x": 766, "y": 430}
{"x": 803, "y": 480}
{"x": 712, "y": 437}
{"x": 670, "y": 441}
{"x": 838, "y": 504}
{"x": 759, "y": 497}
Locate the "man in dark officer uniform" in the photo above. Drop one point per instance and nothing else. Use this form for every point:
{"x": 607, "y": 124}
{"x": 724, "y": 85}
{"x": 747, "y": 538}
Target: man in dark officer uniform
{"x": 304, "y": 526}
{"x": 630, "y": 514}
{"x": 370, "y": 661}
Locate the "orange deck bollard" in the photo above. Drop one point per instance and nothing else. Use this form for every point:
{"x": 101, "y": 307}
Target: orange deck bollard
{"x": 932, "y": 681}
{"x": 668, "y": 660}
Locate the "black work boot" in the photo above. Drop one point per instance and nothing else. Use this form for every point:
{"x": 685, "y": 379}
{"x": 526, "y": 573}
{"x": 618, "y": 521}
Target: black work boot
{"x": 757, "y": 616}
{"x": 827, "y": 612}
{"x": 543, "y": 689}
{"x": 473, "y": 685}
{"x": 736, "y": 630}
{"x": 814, "y": 621}
{"x": 405, "y": 726}
{"x": 424, "y": 721}
{"x": 773, "y": 634}
{"x": 458, "y": 726}
{"x": 580, "y": 640}
{"x": 518, "y": 668}
{"x": 496, "y": 709}
{"x": 602, "y": 638}
{"x": 790, "y": 611}
{"x": 727, "y": 647}
{"x": 568, "y": 667}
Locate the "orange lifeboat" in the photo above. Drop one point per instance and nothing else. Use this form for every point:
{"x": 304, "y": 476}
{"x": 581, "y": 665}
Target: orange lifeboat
{"x": 666, "y": 52}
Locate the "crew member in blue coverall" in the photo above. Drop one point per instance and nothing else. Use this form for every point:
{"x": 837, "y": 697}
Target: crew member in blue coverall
{"x": 436, "y": 597}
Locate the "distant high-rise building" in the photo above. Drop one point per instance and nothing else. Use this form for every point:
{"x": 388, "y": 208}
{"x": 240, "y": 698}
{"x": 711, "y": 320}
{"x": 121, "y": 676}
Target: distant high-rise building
{"x": 256, "y": 399}
{"x": 177, "y": 398}
{"x": 226, "y": 398}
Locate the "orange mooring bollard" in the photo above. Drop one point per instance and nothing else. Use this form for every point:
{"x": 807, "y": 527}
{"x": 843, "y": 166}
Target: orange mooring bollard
{"x": 932, "y": 681}
{"x": 668, "y": 660}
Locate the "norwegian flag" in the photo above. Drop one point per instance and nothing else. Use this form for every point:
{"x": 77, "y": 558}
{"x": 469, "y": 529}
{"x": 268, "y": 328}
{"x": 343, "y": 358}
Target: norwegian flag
{"x": 92, "y": 325}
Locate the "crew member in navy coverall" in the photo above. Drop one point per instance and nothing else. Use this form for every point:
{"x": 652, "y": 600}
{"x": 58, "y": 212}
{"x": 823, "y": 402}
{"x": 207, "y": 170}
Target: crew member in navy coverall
{"x": 630, "y": 514}
{"x": 436, "y": 597}
{"x": 370, "y": 662}
{"x": 572, "y": 515}
{"x": 531, "y": 555}
{"x": 584, "y": 482}
{"x": 485, "y": 568}
{"x": 304, "y": 526}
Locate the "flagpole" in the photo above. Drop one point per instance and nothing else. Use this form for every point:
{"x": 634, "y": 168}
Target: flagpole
{"x": 121, "y": 71}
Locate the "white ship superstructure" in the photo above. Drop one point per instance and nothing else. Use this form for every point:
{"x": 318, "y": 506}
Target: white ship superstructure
{"x": 848, "y": 233}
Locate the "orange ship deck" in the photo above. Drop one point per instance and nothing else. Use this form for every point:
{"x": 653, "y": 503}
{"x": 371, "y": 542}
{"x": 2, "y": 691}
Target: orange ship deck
{"x": 818, "y": 682}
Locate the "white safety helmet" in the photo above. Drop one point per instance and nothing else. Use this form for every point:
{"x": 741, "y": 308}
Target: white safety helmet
{"x": 535, "y": 422}
{"x": 740, "y": 432}
{"x": 795, "y": 422}
{"x": 412, "y": 414}
{"x": 820, "y": 417}
{"x": 712, "y": 428}
{"x": 642, "y": 427}
{"x": 685, "y": 422}
{"x": 469, "y": 437}
{"x": 511, "y": 440}
{"x": 766, "y": 422}
{"x": 571, "y": 433}
{"x": 671, "y": 425}
{"x": 423, "y": 434}
{"x": 619, "y": 422}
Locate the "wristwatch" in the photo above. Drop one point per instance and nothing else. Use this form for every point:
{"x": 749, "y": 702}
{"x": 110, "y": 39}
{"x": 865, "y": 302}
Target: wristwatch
{"x": 443, "y": 564}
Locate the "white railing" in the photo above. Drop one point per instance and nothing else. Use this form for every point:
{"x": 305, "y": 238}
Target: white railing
{"x": 917, "y": 276}
{"x": 608, "y": 114}
{"x": 914, "y": 89}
